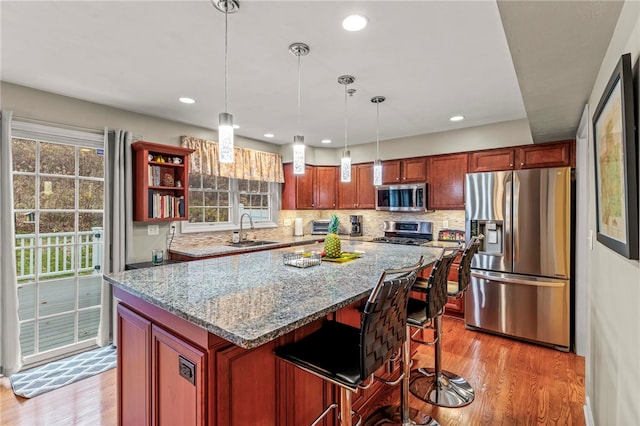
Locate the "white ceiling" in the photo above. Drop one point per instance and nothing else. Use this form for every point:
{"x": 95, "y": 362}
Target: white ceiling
{"x": 430, "y": 59}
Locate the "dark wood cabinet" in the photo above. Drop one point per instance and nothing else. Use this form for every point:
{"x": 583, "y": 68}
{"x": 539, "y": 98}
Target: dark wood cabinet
{"x": 446, "y": 181}
{"x": 304, "y": 189}
{"x": 177, "y": 381}
{"x": 161, "y": 378}
{"x": 171, "y": 372}
{"x": 315, "y": 189}
{"x": 288, "y": 198}
{"x": 325, "y": 187}
{"x": 492, "y": 160}
{"x": 134, "y": 368}
{"x": 407, "y": 170}
{"x": 360, "y": 192}
{"x": 552, "y": 154}
{"x": 557, "y": 154}
{"x": 161, "y": 180}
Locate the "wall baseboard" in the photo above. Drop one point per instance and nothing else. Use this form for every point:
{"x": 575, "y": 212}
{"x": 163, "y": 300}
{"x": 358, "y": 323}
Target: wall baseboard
{"x": 588, "y": 414}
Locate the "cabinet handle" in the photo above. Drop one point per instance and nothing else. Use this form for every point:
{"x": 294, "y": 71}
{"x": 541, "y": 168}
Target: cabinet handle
{"x": 334, "y": 204}
{"x": 511, "y": 165}
{"x": 522, "y": 164}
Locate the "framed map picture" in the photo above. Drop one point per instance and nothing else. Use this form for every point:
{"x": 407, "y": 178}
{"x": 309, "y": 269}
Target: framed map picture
{"x": 615, "y": 163}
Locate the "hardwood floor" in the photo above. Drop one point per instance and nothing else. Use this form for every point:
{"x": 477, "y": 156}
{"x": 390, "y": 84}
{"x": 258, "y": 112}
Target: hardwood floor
{"x": 515, "y": 383}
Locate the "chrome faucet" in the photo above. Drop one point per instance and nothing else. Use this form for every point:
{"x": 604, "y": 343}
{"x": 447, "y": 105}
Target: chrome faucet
{"x": 242, "y": 238}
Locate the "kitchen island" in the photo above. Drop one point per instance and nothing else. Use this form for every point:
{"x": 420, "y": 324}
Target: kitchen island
{"x": 196, "y": 339}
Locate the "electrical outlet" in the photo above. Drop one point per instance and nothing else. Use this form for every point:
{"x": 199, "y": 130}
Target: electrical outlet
{"x": 153, "y": 229}
{"x": 590, "y": 237}
{"x": 287, "y": 222}
{"x": 445, "y": 224}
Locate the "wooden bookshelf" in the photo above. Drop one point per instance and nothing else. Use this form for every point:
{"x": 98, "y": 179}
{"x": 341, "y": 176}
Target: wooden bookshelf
{"x": 160, "y": 182}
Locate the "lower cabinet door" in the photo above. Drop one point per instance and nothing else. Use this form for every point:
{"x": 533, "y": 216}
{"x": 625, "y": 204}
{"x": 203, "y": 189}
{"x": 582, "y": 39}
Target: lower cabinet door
{"x": 134, "y": 359}
{"x": 178, "y": 378}
{"x": 246, "y": 386}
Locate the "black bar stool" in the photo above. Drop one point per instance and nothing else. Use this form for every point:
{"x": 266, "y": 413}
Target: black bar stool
{"x": 435, "y": 385}
{"x": 419, "y": 314}
{"x": 348, "y": 356}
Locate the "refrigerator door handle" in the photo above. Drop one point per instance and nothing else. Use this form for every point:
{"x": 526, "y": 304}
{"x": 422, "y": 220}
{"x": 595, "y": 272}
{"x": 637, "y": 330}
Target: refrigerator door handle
{"x": 517, "y": 280}
{"x": 515, "y": 219}
{"x": 508, "y": 222}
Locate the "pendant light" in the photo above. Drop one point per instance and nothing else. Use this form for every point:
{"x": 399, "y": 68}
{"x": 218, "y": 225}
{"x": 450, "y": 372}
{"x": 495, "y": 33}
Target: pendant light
{"x": 345, "y": 161}
{"x": 377, "y": 164}
{"x": 298, "y": 49}
{"x": 225, "y": 119}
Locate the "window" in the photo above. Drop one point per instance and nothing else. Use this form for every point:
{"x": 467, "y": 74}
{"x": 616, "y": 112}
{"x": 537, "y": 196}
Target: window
{"x": 216, "y": 203}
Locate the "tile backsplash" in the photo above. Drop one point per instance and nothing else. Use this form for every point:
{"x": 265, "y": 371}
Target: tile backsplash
{"x": 372, "y": 222}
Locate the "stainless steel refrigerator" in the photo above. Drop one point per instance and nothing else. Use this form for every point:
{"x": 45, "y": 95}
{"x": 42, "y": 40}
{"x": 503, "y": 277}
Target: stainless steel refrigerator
{"x": 520, "y": 283}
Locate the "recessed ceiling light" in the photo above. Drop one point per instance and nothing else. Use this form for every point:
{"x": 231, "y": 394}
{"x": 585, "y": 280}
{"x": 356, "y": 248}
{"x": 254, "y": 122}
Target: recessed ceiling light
{"x": 187, "y": 101}
{"x": 235, "y": 126}
{"x": 326, "y": 141}
{"x": 354, "y": 22}
{"x": 268, "y": 135}
{"x": 457, "y": 118}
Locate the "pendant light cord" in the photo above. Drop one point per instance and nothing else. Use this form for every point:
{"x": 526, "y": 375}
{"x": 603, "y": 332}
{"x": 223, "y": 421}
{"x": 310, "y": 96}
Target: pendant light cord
{"x": 345, "y": 117}
{"x": 226, "y": 14}
{"x": 299, "y": 127}
{"x": 377, "y": 130}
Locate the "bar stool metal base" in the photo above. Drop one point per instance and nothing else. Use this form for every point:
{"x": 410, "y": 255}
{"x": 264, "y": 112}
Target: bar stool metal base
{"x": 391, "y": 415}
{"x": 449, "y": 390}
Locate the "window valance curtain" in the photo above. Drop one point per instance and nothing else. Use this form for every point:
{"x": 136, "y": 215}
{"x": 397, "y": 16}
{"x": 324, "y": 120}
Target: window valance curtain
{"x": 248, "y": 163}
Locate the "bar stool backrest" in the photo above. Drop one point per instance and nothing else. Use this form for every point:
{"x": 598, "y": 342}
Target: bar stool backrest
{"x": 464, "y": 270}
{"x": 384, "y": 319}
{"x": 437, "y": 283}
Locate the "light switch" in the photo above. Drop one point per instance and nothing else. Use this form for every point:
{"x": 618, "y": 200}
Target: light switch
{"x": 445, "y": 224}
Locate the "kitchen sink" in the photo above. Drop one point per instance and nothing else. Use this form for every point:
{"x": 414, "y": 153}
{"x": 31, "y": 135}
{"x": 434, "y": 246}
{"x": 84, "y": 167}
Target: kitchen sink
{"x": 251, "y": 243}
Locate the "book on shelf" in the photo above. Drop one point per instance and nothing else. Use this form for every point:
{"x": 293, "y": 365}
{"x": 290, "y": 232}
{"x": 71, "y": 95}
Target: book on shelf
{"x": 163, "y": 206}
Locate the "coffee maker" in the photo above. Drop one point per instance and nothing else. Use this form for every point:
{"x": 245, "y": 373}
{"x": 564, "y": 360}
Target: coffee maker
{"x": 356, "y": 225}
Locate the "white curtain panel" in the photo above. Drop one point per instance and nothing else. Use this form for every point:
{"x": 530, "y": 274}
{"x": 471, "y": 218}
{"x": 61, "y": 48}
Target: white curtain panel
{"x": 10, "y": 351}
{"x": 118, "y": 223}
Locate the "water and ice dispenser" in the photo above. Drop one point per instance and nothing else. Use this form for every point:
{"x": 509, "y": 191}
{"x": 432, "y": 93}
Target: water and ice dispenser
{"x": 493, "y": 231}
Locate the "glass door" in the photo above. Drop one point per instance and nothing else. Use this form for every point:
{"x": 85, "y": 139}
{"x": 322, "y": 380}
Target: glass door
{"x": 59, "y": 214}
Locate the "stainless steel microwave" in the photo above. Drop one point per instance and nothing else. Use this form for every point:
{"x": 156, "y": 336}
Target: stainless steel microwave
{"x": 402, "y": 198}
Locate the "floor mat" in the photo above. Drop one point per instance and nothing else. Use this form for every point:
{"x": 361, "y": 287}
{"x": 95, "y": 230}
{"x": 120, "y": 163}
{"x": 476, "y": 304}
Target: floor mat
{"x": 56, "y": 374}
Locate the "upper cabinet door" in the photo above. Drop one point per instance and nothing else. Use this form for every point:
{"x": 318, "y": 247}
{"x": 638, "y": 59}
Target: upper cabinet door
{"x": 534, "y": 156}
{"x": 348, "y": 192}
{"x": 288, "y": 188}
{"x": 446, "y": 181}
{"x": 492, "y": 160}
{"x": 414, "y": 170}
{"x": 404, "y": 171}
{"x": 304, "y": 188}
{"x": 366, "y": 198}
{"x": 325, "y": 187}
{"x": 391, "y": 172}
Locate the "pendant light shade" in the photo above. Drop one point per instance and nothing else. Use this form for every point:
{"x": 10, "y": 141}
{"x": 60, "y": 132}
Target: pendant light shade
{"x": 225, "y": 119}
{"x": 298, "y": 49}
{"x": 377, "y": 172}
{"x": 345, "y": 161}
{"x": 377, "y": 164}
{"x": 225, "y": 137}
{"x": 298, "y": 155}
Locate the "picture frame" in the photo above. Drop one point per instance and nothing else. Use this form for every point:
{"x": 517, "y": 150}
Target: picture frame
{"x": 615, "y": 156}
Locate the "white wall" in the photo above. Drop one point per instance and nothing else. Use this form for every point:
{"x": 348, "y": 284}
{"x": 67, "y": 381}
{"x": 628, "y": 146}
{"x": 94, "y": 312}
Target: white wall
{"x": 613, "y": 362}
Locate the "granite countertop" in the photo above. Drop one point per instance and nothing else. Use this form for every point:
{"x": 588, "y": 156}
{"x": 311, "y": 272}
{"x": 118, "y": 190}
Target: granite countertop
{"x": 252, "y": 298}
{"x": 220, "y": 248}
